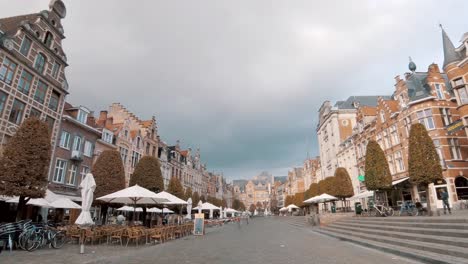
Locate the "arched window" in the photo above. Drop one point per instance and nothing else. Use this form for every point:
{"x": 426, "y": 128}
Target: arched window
{"x": 41, "y": 61}
{"x": 48, "y": 39}
{"x": 461, "y": 184}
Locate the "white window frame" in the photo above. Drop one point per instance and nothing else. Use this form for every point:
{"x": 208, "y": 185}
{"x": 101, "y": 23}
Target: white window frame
{"x": 65, "y": 140}
{"x": 426, "y": 119}
{"x": 391, "y": 164}
{"x": 84, "y": 170}
{"x": 446, "y": 116}
{"x": 77, "y": 142}
{"x": 462, "y": 95}
{"x": 386, "y": 139}
{"x": 123, "y": 154}
{"x": 88, "y": 148}
{"x": 60, "y": 171}
{"x": 82, "y": 116}
{"x": 394, "y": 135}
{"x": 107, "y": 136}
{"x": 455, "y": 151}
{"x": 438, "y": 148}
{"x": 382, "y": 116}
{"x": 399, "y": 161}
{"x": 439, "y": 91}
{"x": 71, "y": 179}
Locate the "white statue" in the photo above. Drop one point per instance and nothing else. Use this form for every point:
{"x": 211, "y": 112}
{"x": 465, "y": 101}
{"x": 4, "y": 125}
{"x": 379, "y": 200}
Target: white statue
{"x": 189, "y": 209}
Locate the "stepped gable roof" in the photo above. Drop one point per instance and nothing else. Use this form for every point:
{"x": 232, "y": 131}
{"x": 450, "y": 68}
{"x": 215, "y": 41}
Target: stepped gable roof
{"x": 392, "y": 104}
{"x": 369, "y": 110}
{"x": 281, "y": 179}
{"x": 418, "y": 88}
{"x": 146, "y": 123}
{"x": 366, "y": 100}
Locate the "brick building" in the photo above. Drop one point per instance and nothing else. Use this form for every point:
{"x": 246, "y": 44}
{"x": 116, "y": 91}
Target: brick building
{"x": 32, "y": 63}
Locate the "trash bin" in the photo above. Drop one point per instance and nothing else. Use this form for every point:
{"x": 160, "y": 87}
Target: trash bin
{"x": 333, "y": 208}
{"x": 358, "y": 208}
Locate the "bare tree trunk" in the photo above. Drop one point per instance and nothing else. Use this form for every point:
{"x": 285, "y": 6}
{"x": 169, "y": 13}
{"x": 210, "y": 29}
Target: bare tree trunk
{"x": 20, "y": 214}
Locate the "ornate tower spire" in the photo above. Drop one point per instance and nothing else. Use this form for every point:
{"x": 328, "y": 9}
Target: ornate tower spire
{"x": 450, "y": 54}
{"x": 411, "y": 65}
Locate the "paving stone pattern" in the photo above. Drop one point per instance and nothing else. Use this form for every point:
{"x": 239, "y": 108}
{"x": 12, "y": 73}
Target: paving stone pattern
{"x": 264, "y": 240}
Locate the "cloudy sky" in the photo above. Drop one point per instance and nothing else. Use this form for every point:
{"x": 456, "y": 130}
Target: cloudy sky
{"x": 243, "y": 80}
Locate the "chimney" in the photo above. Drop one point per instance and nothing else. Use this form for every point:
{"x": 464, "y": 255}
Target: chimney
{"x": 103, "y": 115}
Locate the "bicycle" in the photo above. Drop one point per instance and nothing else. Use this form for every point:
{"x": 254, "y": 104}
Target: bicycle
{"x": 44, "y": 236}
{"x": 409, "y": 208}
{"x": 383, "y": 211}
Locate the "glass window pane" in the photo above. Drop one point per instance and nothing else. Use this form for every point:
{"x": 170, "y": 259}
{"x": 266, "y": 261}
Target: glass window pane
{"x": 41, "y": 91}
{"x": 54, "y": 101}
{"x": 25, "y": 46}
{"x": 16, "y": 113}
{"x": 3, "y": 97}
{"x": 25, "y": 82}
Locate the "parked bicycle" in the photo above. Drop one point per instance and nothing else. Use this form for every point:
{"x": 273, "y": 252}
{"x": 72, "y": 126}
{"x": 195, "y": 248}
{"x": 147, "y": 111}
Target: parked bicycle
{"x": 409, "y": 208}
{"x": 41, "y": 236}
{"x": 379, "y": 210}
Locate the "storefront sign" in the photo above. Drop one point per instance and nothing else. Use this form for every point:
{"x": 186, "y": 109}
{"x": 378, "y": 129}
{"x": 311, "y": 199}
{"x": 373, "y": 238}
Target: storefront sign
{"x": 455, "y": 126}
{"x": 361, "y": 178}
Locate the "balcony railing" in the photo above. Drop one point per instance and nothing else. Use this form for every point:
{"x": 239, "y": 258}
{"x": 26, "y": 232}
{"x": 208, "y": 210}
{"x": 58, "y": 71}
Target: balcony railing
{"x": 77, "y": 155}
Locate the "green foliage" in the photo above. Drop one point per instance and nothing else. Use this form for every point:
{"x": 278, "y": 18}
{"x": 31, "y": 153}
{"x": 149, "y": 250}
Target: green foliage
{"x": 259, "y": 205}
{"x": 377, "y": 173}
{"x": 109, "y": 173}
{"x": 195, "y": 198}
{"x": 343, "y": 185}
{"x": 148, "y": 174}
{"x": 237, "y": 204}
{"x": 423, "y": 161}
{"x": 327, "y": 186}
{"x": 313, "y": 190}
{"x": 175, "y": 188}
{"x": 188, "y": 194}
{"x": 252, "y": 208}
{"x": 25, "y": 163}
{"x": 288, "y": 200}
{"x": 298, "y": 199}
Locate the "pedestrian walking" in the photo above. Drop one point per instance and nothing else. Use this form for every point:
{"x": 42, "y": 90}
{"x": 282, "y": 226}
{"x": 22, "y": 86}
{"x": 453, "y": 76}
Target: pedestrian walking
{"x": 444, "y": 196}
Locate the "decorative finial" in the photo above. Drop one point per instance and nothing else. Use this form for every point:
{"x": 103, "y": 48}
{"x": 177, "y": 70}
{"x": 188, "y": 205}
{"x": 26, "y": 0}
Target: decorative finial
{"x": 411, "y": 65}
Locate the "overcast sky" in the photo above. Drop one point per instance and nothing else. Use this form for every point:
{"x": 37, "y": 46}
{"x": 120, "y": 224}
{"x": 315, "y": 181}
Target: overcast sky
{"x": 243, "y": 80}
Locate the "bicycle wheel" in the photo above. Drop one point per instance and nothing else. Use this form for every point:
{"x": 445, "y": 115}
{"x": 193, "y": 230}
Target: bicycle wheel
{"x": 32, "y": 242}
{"x": 389, "y": 211}
{"x": 58, "y": 240}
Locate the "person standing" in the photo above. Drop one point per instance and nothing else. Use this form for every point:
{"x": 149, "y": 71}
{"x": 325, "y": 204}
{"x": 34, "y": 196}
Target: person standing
{"x": 444, "y": 196}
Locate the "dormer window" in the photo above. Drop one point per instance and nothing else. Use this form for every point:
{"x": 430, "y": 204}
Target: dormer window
{"x": 82, "y": 116}
{"x": 107, "y": 136}
{"x": 439, "y": 91}
{"x": 48, "y": 39}
{"x": 138, "y": 142}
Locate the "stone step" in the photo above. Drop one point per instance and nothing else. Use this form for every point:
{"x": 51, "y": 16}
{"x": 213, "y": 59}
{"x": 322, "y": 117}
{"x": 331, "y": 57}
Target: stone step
{"x": 420, "y": 255}
{"x": 419, "y": 245}
{"x": 418, "y": 219}
{"x": 417, "y": 230}
{"x": 458, "y": 226}
{"x": 453, "y": 241}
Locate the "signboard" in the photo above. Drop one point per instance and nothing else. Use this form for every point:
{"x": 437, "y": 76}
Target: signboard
{"x": 361, "y": 178}
{"x": 455, "y": 126}
{"x": 199, "y": 225}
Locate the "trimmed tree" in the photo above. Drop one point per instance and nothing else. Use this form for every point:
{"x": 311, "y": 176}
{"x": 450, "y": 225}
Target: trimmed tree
{"x": 252, "y": 208}
{"x": 377, "y": 173}
{"x": 288, "y": 200}
{"x": 109, "y": 174}
{"x": 188, "y": 194}
{"x": 236, "y": 204}
{"x": 423, "y": 160}
{"x": 195, "y": 198}
{"x": 175, "y": 187}
{"x": 313, "y": 190}
{"x": 259, "y": 205}
{"x": 343, "y": 185}
{"x": 148, "y": 174}
{"x": 25, "y": 163}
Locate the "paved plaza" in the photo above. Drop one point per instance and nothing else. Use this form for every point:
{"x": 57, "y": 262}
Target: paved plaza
{"x": 264, "y": 240}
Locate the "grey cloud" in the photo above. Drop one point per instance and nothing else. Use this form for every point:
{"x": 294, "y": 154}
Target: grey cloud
{"x": 243, "y": 80}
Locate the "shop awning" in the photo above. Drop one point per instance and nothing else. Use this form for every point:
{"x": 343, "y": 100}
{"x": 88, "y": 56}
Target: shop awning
{"x": 399, "y": 181}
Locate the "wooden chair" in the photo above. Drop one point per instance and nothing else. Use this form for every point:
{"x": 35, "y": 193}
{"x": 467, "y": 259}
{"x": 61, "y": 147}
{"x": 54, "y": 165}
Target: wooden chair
{"x": 156, "y": 235}
{"x": 134, "y": 234}
{"x": 117, "y": 235}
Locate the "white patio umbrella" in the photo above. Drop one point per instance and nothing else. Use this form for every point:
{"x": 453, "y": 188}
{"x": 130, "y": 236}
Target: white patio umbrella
{"x": 88, "y": 185}
{"x": 130, "y": 209}
{"x": 154, "y": 210}
{"x": 64, "y": 203}
{"x": 323, "y": 198}
{"x": 171, "y": 199}
{"x": 283, "y": 209}
{"x": 133, "y": 195}
{"x": 189, "y": 209}
{"x": 41, "y": 202}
